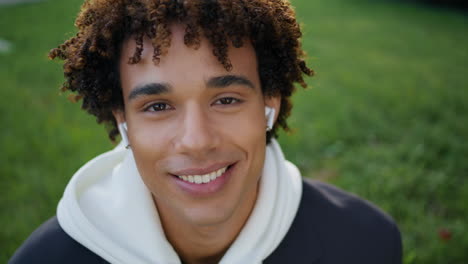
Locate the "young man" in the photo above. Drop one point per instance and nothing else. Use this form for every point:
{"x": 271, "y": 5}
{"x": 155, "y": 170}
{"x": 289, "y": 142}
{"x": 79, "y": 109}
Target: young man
{"x": 197, "y": 90}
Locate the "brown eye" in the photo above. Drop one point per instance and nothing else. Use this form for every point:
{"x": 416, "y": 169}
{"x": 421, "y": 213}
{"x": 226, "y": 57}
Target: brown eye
{"x": 158, "y": 107}
{"x": 227, "y": 101}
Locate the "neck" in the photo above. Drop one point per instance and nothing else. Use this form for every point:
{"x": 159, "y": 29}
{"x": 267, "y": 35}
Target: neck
{"x": 206, "y": 244}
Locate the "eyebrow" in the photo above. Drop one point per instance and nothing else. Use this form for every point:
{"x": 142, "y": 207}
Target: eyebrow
{"x": 215, "y": 82}
{"x": 149, "y": 89}
{"x": 227, "y": 80}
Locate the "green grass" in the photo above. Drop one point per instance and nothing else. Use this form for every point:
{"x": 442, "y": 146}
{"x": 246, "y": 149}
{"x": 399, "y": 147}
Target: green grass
{"x": 385, "y": 117}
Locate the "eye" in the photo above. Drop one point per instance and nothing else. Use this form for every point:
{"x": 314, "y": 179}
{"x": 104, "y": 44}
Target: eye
{"x": 227, "y": 101}
{"x": 158, "y": 107}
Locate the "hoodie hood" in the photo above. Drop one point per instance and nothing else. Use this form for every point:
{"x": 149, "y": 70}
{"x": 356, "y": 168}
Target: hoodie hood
{"x": 107, "y": 208}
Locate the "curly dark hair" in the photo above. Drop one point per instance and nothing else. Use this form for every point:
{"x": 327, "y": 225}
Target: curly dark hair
{"x": 91, "y": 56}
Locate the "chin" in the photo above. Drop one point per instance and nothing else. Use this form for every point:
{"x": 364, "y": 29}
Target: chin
{"x": 208, "y": 217}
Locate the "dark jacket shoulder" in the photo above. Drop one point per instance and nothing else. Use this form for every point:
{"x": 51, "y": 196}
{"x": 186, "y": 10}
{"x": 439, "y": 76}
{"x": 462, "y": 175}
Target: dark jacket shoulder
{"x": 333, "y": 226}
{"x": 50, "y": 244}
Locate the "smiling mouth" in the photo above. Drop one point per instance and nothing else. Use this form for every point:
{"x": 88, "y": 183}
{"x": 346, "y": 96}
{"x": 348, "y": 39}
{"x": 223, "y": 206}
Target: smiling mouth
{"x": 205, "y": 178}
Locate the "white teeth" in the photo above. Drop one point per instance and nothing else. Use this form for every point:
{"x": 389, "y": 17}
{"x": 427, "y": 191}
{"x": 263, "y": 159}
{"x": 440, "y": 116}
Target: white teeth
{"x": 206, "y": 178}
{"x": 213, "y": 175}
{"x": 198, "y": 179}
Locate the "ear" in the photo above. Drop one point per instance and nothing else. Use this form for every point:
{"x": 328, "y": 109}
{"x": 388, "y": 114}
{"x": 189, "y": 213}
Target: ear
{"x": 119, "y": 116}
{"x": 275, "y": 103}
{"x": 122, "y": 126}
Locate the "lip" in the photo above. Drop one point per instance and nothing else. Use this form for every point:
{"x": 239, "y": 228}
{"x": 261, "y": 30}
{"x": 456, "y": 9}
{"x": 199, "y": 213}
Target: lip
{"x": 201, "y": 171}
{"x": 206, "y": 189}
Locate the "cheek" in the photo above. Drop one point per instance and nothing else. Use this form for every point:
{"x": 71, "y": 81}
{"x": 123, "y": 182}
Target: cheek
{"x": 251, "y": 139}
{"x": 249, "y": 128}
{"x": 248, "y": 133}
{"x": 150, "y": 145}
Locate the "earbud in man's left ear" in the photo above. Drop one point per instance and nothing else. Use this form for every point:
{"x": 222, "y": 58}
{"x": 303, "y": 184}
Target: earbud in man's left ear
{"x": 270, "y": 115}
{"x": 123, "y": 133}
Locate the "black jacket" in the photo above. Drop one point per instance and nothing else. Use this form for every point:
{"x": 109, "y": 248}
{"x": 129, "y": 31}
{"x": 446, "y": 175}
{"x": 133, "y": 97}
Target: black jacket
{"x": 331, "y": 227}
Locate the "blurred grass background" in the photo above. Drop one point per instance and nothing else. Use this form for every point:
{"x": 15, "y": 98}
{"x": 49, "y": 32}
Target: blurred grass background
{"x": 385, "y": 117}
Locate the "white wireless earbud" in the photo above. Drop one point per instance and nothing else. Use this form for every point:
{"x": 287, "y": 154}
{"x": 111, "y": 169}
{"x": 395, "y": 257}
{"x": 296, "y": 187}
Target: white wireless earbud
{"x": 270, "y": 115}
{"x": 123, "y": 133}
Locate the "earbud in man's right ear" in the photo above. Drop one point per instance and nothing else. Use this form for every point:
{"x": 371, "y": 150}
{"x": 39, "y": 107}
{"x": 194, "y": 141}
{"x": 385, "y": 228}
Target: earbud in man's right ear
{"x": 270, "y": 115}
{"x": 123, "y": 133}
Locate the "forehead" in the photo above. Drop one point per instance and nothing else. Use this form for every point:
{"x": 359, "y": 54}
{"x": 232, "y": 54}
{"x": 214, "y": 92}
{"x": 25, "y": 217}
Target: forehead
{"x": 184, "y": 63}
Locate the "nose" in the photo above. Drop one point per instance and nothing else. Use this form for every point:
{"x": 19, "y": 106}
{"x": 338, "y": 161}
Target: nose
{"x": 197, "y": 134}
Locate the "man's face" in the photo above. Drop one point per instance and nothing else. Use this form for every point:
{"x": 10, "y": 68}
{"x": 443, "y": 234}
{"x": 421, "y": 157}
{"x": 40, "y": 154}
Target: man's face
{"x": 190, "y": 120}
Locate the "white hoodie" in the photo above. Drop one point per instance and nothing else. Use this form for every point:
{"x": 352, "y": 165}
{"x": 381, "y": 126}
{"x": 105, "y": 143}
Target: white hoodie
{"x": 107, "y": 208}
